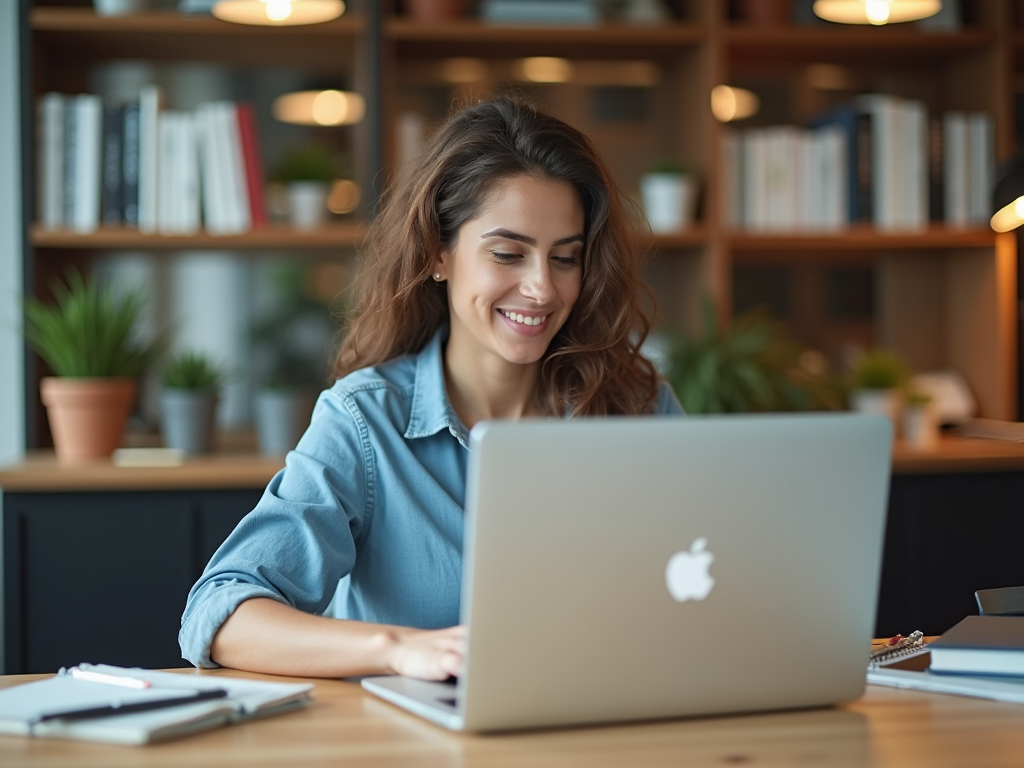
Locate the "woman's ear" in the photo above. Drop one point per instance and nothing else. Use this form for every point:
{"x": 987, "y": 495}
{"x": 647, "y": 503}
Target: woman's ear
{"x": 440, "y": 269}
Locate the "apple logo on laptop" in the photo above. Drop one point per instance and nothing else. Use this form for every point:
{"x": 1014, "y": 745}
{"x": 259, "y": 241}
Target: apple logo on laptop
{"x": 686, "y": 574}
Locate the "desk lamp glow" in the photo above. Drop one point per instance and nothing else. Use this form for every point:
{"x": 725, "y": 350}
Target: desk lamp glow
{"x": 1008, "y": 196}
{"x": 278, "y": 13}
{"x": 876, "y": 12}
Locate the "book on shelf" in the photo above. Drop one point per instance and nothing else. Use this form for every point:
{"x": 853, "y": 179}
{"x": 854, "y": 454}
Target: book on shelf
{"x": 137, "y": 164}
{"x": 582, "y": 12}
{"x": 111, "y": 211}
{"x": 50, "y": 178}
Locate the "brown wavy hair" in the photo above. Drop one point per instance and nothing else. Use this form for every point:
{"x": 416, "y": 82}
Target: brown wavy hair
{"x": 593, "y": 365}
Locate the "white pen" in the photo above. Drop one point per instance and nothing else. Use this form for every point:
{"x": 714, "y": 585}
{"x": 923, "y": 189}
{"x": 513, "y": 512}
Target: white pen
{"x": 99, "y": 677}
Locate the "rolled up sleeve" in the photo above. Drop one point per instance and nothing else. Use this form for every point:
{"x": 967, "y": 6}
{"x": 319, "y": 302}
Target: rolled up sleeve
{"x": 300, "y": 539}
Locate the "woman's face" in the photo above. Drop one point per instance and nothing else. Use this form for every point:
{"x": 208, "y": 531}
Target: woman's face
{"x": 515, "y": 271}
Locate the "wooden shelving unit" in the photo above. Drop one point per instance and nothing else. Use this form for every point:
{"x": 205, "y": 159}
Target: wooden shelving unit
{"x": 945, "y": 297}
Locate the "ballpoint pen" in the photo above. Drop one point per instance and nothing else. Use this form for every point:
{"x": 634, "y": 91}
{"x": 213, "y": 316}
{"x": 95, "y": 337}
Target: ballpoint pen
{"x": 98, "y": 677}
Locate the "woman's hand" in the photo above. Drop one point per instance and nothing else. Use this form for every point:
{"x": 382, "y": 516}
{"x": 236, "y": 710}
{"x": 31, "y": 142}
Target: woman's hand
{"x": 430, "y": 654}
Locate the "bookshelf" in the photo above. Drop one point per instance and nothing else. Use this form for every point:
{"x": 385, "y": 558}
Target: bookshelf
{"x": 942, "y": 296}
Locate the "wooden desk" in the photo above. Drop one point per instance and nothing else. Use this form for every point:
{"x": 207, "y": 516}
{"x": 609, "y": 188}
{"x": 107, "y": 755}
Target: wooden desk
{"x": 346, "y": 727}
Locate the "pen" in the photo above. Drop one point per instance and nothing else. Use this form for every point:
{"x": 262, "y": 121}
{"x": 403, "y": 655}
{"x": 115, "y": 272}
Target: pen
{"x": 99, "y": 677}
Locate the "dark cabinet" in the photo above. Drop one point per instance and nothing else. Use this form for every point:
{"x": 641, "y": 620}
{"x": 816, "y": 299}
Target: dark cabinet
{"x": 103, "y": 577}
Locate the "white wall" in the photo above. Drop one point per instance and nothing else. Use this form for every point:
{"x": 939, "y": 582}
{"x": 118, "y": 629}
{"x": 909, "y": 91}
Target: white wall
{"x": 12, "y": 406}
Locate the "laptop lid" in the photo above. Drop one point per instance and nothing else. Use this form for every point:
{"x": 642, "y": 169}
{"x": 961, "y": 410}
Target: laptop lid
{"x": 634, "y": 568}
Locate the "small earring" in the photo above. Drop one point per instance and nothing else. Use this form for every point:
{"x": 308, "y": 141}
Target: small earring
{"x": 437, "y": 277}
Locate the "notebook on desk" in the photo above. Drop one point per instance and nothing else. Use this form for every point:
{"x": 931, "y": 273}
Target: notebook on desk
{"x": 626, "y": 568}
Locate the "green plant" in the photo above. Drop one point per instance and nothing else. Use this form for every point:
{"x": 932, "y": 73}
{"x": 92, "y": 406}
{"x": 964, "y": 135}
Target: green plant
{"x": 879, "y": 369}
{"x": 191, "y": 370}
{"x": 914, "y": 396}
{"x": 668, "y": 165}
{"x": 89, "y": 332}
{"x": 749, "y": 366}
{"x": 308, "y": 162}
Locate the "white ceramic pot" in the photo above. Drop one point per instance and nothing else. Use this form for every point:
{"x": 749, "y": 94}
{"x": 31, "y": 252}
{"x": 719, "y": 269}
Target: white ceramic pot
{"x": 921, "y": 426}
{"x": 307, "y": 203}
{"x": 119, "y": 7}
{"x": 669, "y": 201}
{"x": 881, "y": 402}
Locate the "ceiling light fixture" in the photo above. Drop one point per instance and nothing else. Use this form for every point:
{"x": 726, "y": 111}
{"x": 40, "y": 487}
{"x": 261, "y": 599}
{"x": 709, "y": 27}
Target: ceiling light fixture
{"x": 278, "y": 13}
{"x": 876, "y": 12}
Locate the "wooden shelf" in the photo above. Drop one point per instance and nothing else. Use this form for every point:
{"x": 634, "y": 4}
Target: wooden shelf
{"x": 470, "y": 37}
{"x": 343, "y": 235}
{"x": 79, "y": 35}
{"x": 771, "y": 46}
{"x": 861, "y": 243}
{"x": 41, "y": 472}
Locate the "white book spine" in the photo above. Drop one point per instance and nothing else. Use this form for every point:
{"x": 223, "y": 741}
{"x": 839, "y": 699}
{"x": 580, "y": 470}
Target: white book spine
{"x": 954, "y": 125}
{"x": 190, "y": 216}
{"x": 238, "y": 195}
{"x": 917, "y": 152}
{"x": 982, "y": 158}
{"x": 51, "y": 161}
{"x": 88, "y": 150}
{"x": 149, "y": 158}
{"x": 209, "y": 176}
{"x": 839, "y": 152}
{"x": 165, "y": 219}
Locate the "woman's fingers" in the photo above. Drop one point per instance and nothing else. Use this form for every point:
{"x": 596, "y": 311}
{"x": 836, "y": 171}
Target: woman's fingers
{"x": 431, "y": 654}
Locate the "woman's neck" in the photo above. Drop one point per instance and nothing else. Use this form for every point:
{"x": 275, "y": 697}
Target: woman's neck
{"x": 490, "y": 388}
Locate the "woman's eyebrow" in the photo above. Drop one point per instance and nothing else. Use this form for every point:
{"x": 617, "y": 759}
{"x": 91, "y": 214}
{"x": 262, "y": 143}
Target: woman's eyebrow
{"x": 510, "y": 235}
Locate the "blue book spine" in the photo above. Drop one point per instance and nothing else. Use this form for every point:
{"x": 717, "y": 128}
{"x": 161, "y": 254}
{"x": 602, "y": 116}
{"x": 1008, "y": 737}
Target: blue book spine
{"x": 110, "y": 178}
{"x": 130, "y": 165}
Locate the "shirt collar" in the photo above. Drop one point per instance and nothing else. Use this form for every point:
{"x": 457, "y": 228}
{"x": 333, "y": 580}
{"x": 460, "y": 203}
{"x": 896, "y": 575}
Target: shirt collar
{"x": 431, "y": 411}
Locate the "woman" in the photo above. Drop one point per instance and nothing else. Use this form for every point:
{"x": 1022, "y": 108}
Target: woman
{"x": 502, "y": 280}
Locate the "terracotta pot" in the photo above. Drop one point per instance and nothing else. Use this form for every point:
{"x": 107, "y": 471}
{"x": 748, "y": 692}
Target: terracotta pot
{"x": 434, "y": 10}
{"x": 87, "y": 416}
{"x": 765, "y": 11}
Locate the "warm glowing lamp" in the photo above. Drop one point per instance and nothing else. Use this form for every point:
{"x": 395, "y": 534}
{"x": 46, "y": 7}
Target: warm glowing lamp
{"x": 875, "y": 12}
{"x": 546, "y": 69}
{"x": 277, "y": 13}
{"x": 1008, "y": 196}
{"x": 728, "y": 103}
{"x": 320, "y": 108}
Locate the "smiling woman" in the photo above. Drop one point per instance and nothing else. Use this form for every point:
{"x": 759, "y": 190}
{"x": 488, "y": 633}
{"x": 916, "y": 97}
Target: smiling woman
{"x": 500, "y": 280}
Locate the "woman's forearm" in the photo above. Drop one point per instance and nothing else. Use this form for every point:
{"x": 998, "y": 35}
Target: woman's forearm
{"x": 263, "y": 635}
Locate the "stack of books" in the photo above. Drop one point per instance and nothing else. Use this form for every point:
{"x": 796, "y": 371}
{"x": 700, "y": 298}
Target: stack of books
{"x": 879, "y": 160}
{"x": 138, "y": 165}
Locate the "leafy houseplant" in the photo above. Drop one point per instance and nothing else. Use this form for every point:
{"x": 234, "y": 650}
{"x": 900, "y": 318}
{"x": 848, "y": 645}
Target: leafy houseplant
{"x": 188, "y": 402}
{"x": 669, "y": 195}
{"x": 307, "y": 171}
{"x": 87, "y": 339}
{"x": 920, "y": 422}
{"x": 749, "y": 366}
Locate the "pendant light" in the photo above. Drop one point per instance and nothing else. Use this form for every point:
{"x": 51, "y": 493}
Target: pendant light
{"x": 875, "y": 12}
{"x": 1008, "y": 196}
{"x": 278, "y": 13}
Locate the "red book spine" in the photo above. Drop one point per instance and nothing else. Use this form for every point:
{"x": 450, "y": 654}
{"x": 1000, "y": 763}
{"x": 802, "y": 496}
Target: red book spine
{"x": 253, "y": 166}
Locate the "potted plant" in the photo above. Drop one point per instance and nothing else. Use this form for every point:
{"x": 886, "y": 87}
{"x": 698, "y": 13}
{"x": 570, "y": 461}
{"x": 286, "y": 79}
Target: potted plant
{"x": 749, "y": 366}
{"x": 87, "y": 339}
{"x": 669, "y": 196}
{"x": 306, "y": 171}
{"x": 920, "y": 423}
{"x": 188, "y": 402}
{"x": 875, "y": 383}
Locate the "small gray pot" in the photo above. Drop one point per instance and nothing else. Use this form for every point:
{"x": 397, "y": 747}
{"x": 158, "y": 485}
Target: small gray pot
{"x": 187, "y": 419}
{"x": 282, "y": 415}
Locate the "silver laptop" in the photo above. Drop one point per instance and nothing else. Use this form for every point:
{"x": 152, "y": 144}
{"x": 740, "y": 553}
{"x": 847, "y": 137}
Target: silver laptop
{"x": 639, "y": 568}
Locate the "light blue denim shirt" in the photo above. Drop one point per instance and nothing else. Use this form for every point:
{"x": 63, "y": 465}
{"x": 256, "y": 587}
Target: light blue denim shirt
{"x": 375, "y": 491}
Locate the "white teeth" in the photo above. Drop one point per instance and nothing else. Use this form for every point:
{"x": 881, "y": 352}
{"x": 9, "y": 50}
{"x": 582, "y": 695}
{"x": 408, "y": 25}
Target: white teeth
{"x": 524, "y": 319}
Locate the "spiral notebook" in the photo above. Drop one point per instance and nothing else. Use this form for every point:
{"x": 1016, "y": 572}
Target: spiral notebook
{"x": 906, "y": 665}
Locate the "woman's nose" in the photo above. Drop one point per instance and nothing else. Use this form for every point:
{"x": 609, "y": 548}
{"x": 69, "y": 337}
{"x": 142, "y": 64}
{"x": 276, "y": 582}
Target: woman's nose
{"x": 537, "y": 284}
